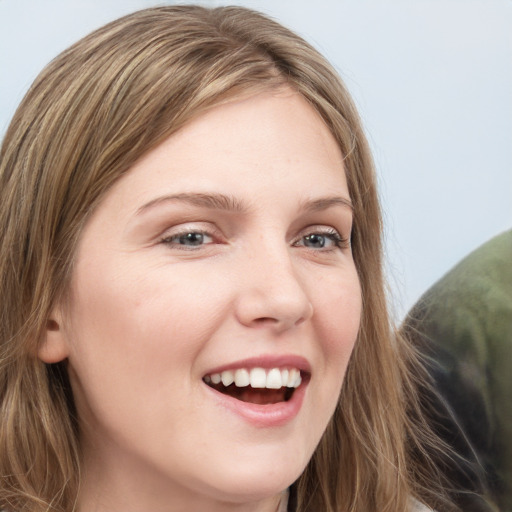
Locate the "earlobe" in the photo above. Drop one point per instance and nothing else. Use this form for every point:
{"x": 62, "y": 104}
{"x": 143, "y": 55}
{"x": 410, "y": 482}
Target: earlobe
{"x": 54, "y": 347}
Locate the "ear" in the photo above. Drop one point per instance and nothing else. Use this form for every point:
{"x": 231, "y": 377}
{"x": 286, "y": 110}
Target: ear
{"x": 54, "y": 346}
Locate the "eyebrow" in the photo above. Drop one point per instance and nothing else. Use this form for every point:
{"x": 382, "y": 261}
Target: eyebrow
{"x": 234, "y": 205}
{"x": 326, "y": 202}
{"x": 211, "y": 201}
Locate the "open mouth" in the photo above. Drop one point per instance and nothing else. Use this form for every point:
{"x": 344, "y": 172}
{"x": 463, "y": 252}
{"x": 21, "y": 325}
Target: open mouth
{"x": 257, "y": 385}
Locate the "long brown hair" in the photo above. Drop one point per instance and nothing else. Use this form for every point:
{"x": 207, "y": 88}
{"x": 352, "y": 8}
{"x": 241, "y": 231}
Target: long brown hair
{"x": 93, "y": 112}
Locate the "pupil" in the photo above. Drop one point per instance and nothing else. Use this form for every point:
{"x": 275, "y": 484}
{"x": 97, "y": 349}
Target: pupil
{"x": 315, "y": 240}
{"x": 191, "y": 239}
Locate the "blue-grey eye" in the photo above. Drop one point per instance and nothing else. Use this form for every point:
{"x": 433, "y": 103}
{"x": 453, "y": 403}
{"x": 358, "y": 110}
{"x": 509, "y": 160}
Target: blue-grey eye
{"x": 188, "y": 239}
{"x": 315, "y": 240}
{"x": 322, "y": 240}
{"x": 191, "y": 239}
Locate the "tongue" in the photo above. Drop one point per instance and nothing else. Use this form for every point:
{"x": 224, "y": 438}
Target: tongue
{"x": 262, "y": 396}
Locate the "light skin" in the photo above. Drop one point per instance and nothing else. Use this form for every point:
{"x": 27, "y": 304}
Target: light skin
{"x": 228, "y": 241}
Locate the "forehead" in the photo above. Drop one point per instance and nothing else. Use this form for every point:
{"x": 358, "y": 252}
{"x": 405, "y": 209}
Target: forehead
{"x": 270, "y": 143}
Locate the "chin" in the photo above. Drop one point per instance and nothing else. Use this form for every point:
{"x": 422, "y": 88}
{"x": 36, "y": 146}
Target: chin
{"x": 242, "y": 483}
{"x": 251, "y": 490}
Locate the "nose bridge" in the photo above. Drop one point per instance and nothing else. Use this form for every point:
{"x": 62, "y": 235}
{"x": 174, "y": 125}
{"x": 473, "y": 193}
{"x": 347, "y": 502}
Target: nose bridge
{"x": 272, "y": 291}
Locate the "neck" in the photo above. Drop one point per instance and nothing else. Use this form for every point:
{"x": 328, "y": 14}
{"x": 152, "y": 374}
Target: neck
{"x": 131, "y": 489}
{"x": 132, "y": 500}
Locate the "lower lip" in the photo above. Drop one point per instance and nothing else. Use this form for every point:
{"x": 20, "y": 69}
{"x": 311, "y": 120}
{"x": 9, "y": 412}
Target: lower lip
{"x": 267, "y": 415}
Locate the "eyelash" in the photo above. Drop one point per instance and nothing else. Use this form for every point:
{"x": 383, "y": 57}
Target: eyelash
{"x": 332, "y": 234}
{"x": 170, "y": 240}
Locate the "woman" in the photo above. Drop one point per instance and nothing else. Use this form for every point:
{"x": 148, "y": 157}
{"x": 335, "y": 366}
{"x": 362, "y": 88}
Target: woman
{"x": 193, "y": 314}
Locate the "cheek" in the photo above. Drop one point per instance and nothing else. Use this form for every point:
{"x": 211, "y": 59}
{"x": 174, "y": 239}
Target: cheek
{"x": 337, "y": 321}
{"x": 134, "y": 342}
{"x": 140, "y": 318}
{"x": 337, "y": 307}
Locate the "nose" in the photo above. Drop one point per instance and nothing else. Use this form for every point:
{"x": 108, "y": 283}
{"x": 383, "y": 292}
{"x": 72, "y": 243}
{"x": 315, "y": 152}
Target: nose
{"x": 272, "y": 293}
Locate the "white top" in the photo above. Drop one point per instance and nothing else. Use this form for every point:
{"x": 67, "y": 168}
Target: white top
{"x": 283, "y": 504}
{"x": 418, "y": 507}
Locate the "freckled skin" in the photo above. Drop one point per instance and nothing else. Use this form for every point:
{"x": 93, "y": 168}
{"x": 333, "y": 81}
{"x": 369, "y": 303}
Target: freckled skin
{"x": 151, "y": 315}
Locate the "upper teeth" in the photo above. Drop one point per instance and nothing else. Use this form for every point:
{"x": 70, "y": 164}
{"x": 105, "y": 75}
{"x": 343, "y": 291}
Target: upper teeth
{"x": 273, "y": 378}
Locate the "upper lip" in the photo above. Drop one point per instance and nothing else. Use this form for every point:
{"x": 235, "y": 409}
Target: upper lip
{"x": 266, "y": 362}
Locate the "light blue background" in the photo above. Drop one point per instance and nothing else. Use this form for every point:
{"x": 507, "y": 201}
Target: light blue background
{"x": 432, "y": 80}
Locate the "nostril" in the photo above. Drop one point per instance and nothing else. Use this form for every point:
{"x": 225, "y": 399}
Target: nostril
{"x": 301, "y": 320}
{"x": 307, "y": 314}
{"x": 279, "y": 324}
{"x": 266, "y": 320}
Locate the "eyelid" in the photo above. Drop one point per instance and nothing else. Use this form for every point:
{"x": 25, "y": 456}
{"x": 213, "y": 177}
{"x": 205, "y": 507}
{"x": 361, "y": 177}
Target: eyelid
{"x": 319, "y": 228}
{"x": 336, "y": 235}
{"x": 191, "y": 227}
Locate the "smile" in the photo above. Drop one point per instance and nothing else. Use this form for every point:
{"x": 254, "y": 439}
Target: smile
{"x": 256, "y": 385}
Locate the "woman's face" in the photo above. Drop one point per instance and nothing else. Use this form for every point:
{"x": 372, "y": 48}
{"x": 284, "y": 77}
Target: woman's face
{"x": 222, "y": 254}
